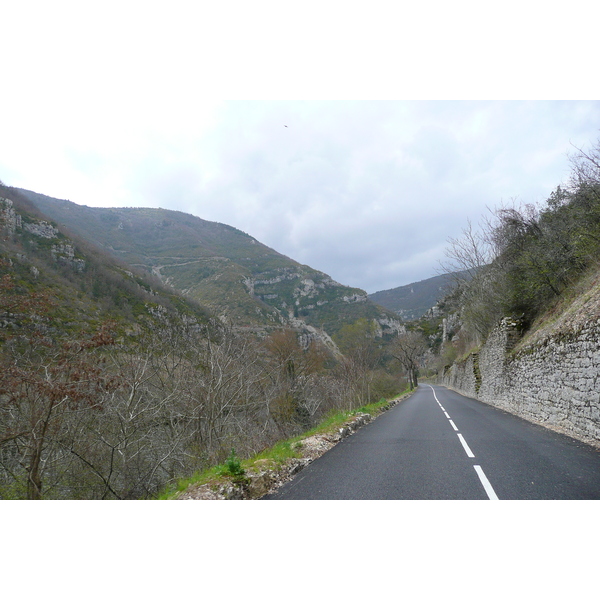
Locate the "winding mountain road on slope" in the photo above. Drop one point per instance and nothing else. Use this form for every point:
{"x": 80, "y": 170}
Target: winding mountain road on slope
{"x": 440, "y": 445}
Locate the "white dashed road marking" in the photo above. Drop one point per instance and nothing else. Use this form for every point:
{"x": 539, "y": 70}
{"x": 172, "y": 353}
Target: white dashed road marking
{"x": 465, "y": 446}
{"x": 487, "y": 486}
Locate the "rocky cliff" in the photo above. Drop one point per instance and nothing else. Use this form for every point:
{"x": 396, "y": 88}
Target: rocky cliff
{"x": 61, "y": 249}
{"x": 245, "y": 283}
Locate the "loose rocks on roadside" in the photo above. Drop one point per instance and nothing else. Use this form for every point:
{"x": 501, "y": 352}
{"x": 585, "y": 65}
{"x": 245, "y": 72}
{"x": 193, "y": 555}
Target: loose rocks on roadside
{"x": 270, "y": 477}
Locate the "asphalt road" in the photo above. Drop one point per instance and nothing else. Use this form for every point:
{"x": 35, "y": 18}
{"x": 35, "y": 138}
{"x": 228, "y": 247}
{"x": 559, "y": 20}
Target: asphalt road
{"x": 440, "y": 445}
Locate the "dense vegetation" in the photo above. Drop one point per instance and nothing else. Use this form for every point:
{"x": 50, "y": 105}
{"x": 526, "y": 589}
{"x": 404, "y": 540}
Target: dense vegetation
{"x": 113, "y": 386}
{"x": 523, "y": 259}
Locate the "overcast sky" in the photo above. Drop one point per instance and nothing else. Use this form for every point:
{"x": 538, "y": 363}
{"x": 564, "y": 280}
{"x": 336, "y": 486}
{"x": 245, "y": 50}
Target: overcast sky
{"x": 236, "y": 113}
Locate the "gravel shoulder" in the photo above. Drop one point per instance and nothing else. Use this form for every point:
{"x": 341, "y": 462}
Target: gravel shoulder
{"x": 266, "y": 477}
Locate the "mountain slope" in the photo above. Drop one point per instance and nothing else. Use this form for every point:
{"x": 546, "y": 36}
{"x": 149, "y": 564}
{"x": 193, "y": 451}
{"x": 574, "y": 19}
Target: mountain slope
{"x": 77, "y": 286}
{"x": 412, "y": 301}
{"x": 246, "y": 283}
{"x": 115, "y": 386}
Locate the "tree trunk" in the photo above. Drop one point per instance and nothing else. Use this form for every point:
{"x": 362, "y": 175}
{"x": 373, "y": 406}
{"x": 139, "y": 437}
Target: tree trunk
{"x": 34, "y": 480}
{"x": 412, "y": 378}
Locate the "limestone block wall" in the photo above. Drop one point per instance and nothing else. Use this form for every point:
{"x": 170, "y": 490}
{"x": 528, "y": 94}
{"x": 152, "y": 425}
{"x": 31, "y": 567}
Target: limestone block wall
{"x": 554, "y": 382}
{"x": 462, "y": 377}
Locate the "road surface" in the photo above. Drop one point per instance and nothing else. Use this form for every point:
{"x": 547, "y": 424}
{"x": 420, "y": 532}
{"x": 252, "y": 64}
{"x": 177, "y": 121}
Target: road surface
{"x": 438, "y": 444}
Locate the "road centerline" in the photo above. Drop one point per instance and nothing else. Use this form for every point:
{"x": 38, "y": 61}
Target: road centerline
{"x": 521, "y": 460}
{"x": 465, "y": 446}
{"x": 487, "y": 486}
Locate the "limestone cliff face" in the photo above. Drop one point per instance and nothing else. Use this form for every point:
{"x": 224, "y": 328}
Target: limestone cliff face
{"x": 305, "y": 297}
{"x": 11, "y": 222}
{"x": 41, "y": 229}
{"x": 243, "y": 282}
{"x": 386, "y": 325}
{"x": 65, "y": 253}
{"x": 355, "y": 298}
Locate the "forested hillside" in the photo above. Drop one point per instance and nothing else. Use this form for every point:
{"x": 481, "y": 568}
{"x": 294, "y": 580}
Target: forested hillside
{"x": 114, "y": 385}
{"x": 243, "y": 281}
{"x": 411, "y": 302}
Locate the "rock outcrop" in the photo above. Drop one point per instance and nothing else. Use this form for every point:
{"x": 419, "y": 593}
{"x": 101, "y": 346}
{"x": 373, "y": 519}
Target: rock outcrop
{"x": 62, "y": 252}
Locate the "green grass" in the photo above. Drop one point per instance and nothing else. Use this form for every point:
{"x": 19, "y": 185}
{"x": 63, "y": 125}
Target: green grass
{"x": 277, "y": 455}
{"x": 273, "y": 457}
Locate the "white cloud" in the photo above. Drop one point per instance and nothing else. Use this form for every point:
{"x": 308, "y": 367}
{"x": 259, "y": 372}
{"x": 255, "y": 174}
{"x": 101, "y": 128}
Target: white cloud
{"x": 122, "y": 105}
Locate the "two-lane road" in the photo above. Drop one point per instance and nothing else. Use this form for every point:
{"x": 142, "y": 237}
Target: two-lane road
{"x": 440, "y": 445}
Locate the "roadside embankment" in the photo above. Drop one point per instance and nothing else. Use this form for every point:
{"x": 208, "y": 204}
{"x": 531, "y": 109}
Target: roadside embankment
{"x": 551, "y": 377}
{"x": 260, "y": 476}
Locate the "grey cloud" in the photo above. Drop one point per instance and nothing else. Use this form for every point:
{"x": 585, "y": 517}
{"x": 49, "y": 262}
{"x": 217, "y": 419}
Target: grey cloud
{"x": 368, "y": 192}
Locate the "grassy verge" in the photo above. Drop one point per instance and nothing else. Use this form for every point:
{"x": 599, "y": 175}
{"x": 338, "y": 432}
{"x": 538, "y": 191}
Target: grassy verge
{"x": 275, "y": 456}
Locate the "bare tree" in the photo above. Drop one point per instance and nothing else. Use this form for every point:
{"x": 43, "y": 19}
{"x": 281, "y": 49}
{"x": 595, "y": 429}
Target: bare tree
{"x": 43, "y": 384}
{"x": 356, "y": 370}
{"x": 292, "y": 372}
{"x": 471, "y": 265}
{"x": 469, "y": 253}
{"x": 409, "y": 348}
{"x": 585, "y": 166}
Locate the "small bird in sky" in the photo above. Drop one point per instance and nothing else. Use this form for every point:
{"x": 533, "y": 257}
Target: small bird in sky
{"x": 285, "y": 125}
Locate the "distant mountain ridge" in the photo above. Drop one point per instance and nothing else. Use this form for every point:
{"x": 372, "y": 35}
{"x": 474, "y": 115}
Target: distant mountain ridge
{"x": 412, "y": 301}
{"x": 242, "y": 281}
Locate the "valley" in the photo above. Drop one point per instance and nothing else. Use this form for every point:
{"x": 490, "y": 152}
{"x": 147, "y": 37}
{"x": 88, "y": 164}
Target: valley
{"x": 245, "y": 283}
{"x": 141, "y": 346}
{"x": 138, "y": 346}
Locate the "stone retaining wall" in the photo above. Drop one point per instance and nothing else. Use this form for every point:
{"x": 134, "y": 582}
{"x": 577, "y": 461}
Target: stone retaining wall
{"x": 554, "y": 382}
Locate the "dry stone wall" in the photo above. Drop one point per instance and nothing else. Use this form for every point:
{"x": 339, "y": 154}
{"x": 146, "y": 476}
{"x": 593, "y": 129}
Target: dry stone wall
{"x": 554, "y": 381}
